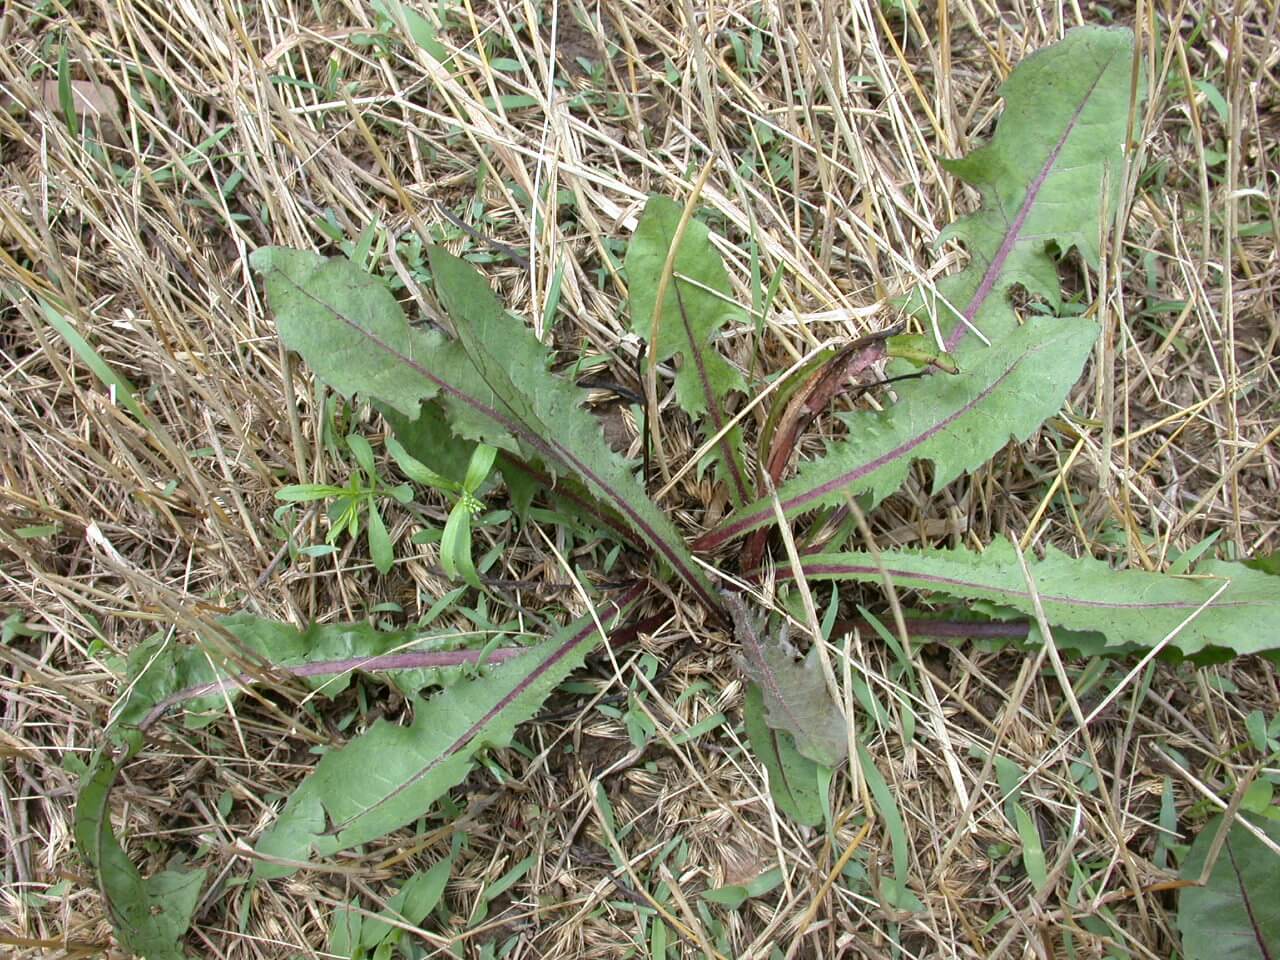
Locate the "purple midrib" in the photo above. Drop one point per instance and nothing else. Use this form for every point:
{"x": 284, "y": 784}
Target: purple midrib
{"x": 744, "y": 524}
{"x": 547, "y": 447}
{"x": 1014, "y": 233}
{"x": 479, "y": 725}
{"x": 751, "y": 520}
{"x": 832, "y": 569}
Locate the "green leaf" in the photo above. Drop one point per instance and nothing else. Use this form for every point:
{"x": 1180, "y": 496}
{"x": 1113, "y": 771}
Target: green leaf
{"x": 1236, "y": 914}
{"x": 353, "y": 334}
{"x": 479, "y": 467}
{"x": 345, "y": 930}
{"x": 122, "y": 391}
{"x": 410, "y": 904}
{"x": 735, "y": 895}
{"x": 428, "y": 440}
{"x": 1058, "y": 145}
{"x": 66, "y": 94}
{"x": 1267, "y": 563}
{"x": 380, "y": 550}
{"x": 421, "y": 30}
{"x": 392, "y": 775}
{"x": 697, "y": 305}
{"x": 894, "y": 889}
{"x": 1127, "y": 606}
{"x": 793, "y": 777}
{"x": 149, "y": 916}
{"x": 1033, "y": 859}
{"x": 795, "y": 694}
{"x": 920, "y": 351}
{"x": 13, "y": 627}
{"x": 420, "y": 894}
{"x": 455, "y": 547}
{"x": 425, "y": 442}
{"x": 417, "y": 471}
{"x": 363, "y": 453}
{"x": 545, "y": 412}
{"x": 158, "y": 670}
{"x": 303, "y": 492}
{"x": 350, "y": 329}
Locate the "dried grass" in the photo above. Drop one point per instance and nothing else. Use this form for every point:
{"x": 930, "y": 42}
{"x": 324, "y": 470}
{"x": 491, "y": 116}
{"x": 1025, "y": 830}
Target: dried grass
{"x": 145, "y": 235}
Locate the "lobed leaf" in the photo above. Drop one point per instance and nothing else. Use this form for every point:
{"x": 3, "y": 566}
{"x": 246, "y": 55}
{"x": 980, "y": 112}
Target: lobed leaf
{"x": 1048, "y": 176}
{"x": 493, "y": 381}
{"x": 391, "y": 775}
{"x": 351, "y": 331}
{"x": 207, "y": 677}
{"x": 150, "y": 915}
{"x": 1126, "y": 606}
{"x": 796, "y": 698}
{"x": 697, "y": 304}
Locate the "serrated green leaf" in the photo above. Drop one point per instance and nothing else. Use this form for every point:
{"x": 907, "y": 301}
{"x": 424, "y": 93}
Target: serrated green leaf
{"x": 1127, "y": 606}
{"x": 1058, "y": 146}
{"x": 697, "y": 305}
{"x": 392, "y": 775}
{"x": 545, "y": 412}
{"x": 1236, "y": 914}
{"x": 351, "y": 331}
{"x": 158, "y": 670}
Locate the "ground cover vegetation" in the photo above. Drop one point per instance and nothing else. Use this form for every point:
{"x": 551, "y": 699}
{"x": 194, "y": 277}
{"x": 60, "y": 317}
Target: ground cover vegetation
{"x": 641, "y": 482}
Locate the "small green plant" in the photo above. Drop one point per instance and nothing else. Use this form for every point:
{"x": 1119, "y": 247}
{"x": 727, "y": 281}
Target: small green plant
{"x": 357, "y": 499}
{"x": 455, "y": 542}
{"x": 972, "y": 376}
{"x": 363, "y": 935}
